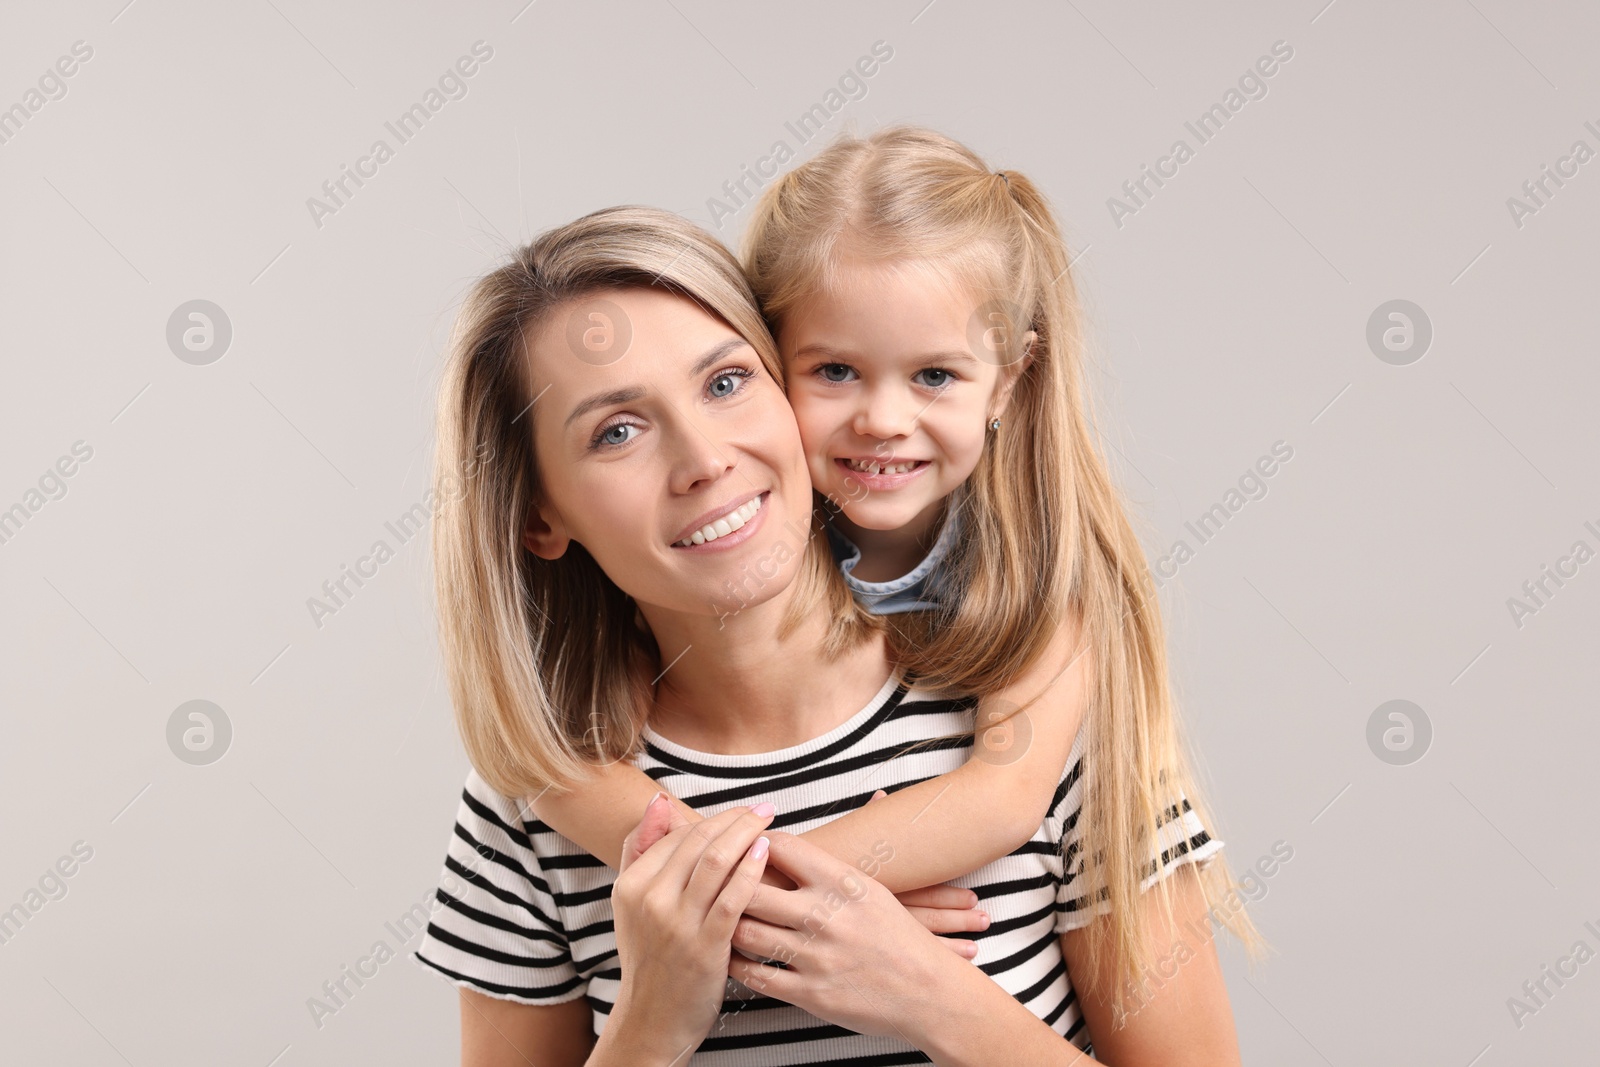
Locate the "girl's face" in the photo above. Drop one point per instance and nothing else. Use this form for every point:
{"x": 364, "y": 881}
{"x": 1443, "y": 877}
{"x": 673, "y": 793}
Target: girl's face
{"x": 684, "y": 436}
{"x": 885, "y": 381}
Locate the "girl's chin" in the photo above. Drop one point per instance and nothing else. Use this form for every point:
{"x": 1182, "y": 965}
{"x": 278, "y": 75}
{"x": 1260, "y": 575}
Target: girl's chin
{"x": 883, "y": 516}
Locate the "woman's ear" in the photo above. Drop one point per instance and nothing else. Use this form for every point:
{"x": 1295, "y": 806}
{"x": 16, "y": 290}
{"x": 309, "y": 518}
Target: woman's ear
{"x": 1011, "y": 374}
{"x": 545, "y": 535}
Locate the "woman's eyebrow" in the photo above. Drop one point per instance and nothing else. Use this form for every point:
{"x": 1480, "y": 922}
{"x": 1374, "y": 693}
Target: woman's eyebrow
{"x": 630, "y": 393}
{"x": 599, "y": 400}
{"x": 704, "y": 363}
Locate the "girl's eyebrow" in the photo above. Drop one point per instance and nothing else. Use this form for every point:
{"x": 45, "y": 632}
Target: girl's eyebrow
{"x": 928, "y": 359}
{"x": 826, "y": 351}
{"x": 628, "y": 394}
{"x": 954, "y": 355}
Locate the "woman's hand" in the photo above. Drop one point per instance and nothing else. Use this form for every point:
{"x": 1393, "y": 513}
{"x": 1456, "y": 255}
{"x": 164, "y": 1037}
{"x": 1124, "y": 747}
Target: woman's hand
{"x": 676, "y": 903}
{"x": 943, "y": 909}
{"x": 854, "y": 955}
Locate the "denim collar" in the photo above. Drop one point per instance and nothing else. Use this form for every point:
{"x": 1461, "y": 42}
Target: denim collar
{"x": 917, "y": 589}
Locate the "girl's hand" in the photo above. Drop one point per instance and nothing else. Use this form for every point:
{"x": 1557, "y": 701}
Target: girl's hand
{"x": 676, "y": 903}
{"x": 944, "y": 909}
{"x": 854, "y": 955}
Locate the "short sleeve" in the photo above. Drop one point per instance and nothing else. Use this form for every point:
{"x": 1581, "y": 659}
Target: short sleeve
{"x": 1081, "y": 895}
{"x": 494, "y": 924}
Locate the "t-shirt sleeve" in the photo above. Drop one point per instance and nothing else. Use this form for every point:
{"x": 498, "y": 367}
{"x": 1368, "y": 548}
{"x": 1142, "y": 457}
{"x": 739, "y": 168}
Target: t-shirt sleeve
{"x": 494, "y": 925}
{"x": 1081, "y": 895}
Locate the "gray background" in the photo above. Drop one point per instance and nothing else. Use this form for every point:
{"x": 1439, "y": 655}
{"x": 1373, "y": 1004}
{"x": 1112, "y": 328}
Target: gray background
{"x": 1229, "y": 313}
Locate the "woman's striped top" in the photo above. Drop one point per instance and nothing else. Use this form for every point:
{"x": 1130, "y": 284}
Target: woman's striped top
{"x": 524, "y": 914}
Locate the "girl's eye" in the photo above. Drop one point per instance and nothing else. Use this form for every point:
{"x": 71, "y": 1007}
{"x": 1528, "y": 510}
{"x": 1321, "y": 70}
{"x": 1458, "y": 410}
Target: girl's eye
{"x": 835, "y": 372}
{"x": 935, "y": 378}
{"x": 613, "y": 435}
{"x": 728, "y": 382}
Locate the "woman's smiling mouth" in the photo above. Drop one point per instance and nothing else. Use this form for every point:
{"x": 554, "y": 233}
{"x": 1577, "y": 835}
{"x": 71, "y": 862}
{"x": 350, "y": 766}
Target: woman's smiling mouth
{"x": 727, "y": 529}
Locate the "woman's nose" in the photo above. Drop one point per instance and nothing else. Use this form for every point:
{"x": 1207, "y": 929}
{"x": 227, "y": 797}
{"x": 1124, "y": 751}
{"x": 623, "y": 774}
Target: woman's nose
{"x": 698, "y": 458}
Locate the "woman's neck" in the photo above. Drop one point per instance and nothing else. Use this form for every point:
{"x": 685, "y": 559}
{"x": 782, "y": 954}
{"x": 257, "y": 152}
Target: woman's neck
{"x": 731, "y": 685}
{"x": 889, "y": 554}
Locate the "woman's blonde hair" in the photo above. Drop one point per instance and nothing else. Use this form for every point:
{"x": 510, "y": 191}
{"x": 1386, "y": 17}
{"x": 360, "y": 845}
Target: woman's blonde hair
{"x": 1046, "y": 541}
{"x": 549, "y": 662}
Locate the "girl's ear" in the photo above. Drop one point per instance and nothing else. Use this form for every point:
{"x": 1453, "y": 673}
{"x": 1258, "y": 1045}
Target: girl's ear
{"x": 1011, "y": 374}
{"x": 545, "y": 534}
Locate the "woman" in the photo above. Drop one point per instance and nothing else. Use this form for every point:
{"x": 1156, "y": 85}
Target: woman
{"x": 612, "y": 391}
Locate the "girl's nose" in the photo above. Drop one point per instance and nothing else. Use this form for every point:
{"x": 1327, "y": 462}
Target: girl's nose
{"x": 885, "y": 414}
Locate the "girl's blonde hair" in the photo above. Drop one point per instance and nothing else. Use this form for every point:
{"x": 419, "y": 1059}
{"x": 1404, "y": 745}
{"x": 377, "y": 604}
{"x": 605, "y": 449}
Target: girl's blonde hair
{"x": 549, "y": 661}
{"x": 1045, "y": 542}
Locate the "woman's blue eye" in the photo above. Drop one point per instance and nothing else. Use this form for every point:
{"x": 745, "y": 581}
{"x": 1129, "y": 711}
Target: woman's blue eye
{"x": 608, "y": 436}
{"x": 728, "y": 382}
{"x": 936, "y": 378}
{"x": 723, "y": 384}
{"x": 834, "y": 372}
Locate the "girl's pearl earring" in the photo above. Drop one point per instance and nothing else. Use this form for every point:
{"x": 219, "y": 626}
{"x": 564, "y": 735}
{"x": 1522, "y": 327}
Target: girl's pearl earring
{"x": 994, "y": 424}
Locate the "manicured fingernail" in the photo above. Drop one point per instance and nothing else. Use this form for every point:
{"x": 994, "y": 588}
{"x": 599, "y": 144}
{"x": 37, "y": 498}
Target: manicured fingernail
{"x": 969, "y": 950}
{"x": 763, "y": 809}
{"x": 658, "y": 798}
{"x": 972, "y": 899}
{"x": 759, "y": 849}
{"x": 983, "y": 920}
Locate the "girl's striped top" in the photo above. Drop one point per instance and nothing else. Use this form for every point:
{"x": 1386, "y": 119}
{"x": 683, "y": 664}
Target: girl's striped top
{"x": 524, "y": 914}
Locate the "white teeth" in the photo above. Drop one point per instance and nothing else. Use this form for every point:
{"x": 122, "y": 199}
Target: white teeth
{"x": 724, "y": 526}
{"x": 867, "y": 466}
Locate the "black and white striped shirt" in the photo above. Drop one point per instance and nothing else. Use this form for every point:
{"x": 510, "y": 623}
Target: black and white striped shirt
{"x": 524, "y": 914}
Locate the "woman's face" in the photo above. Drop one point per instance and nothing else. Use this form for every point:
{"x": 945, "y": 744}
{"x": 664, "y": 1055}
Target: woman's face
{"x": 676, "y": 465}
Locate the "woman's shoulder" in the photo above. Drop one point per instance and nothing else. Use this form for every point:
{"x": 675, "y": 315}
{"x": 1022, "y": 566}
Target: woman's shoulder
{"x": 918, "y": 690}
{"x": 496, "y": 921}
{"x": 494, "y": 822}
{"x": 499, "y": 831}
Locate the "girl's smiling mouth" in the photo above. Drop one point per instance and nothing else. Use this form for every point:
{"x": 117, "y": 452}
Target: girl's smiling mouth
{"x": 881, "y": 474}
{"x": 724, "y": 527}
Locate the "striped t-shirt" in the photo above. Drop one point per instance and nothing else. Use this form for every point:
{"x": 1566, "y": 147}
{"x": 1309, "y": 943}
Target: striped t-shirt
{"x": 524, "y": 914}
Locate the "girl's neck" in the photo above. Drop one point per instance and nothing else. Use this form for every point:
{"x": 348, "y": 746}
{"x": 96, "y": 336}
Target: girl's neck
{"x": 889, "y": 554}
{"x": 732, "y": 685}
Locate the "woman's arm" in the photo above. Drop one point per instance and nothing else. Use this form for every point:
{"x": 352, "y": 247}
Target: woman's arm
{"x": 866, "y": 967}
{"x": 1187, "y": 1022}
{"x": 505, "y": 1033}
{"x": 1187, "y": 1018}
{"x": 989, "y": 806}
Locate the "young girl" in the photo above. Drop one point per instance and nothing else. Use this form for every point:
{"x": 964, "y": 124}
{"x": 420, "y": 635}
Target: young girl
{"x": 929, "y": 328}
